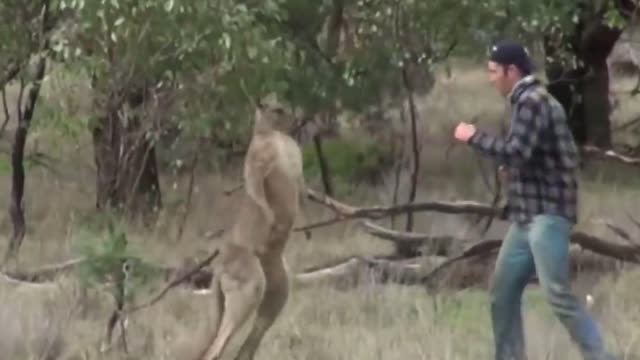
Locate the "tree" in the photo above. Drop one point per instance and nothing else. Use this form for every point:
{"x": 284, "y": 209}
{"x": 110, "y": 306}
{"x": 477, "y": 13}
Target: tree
{"x": 577, "y": 37}
{"x": 196, "y": 66}
{"x": 577, "y": 67}
{"x": 24, "y": 57}
{"x": 155, "y": 65}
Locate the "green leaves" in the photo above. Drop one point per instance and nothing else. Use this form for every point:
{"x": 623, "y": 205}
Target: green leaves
{"x": 350, "y": 161}
{"x": 110, "y": 256}
{"x": 213, "y": 58}
{"x": 221, "y": 54}
{"x": 5, "y": 165}
{"x": 20, "y": 28}
{"x": 613, "y": 18}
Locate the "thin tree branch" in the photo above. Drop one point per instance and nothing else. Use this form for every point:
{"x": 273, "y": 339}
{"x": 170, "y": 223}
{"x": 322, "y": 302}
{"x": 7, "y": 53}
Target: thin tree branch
{"x": 177, "y": 281}
{"x": 414, "y": 146}
{"x": 5, "y": 107}
{"x": 610, "y": 154}
{"x": 233, "y": 189}
{"x": 590, "y": 242}
{"x": 346, "y": 212}
{"x": 192, "y": 178}
{"x": 628, "y": 123}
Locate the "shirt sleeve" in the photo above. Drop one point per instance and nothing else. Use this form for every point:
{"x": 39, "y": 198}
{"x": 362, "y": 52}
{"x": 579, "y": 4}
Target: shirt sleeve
{"x": 516, "y": 148}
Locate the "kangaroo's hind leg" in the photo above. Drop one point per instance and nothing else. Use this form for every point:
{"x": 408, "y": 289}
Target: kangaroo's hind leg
{"x": 242, "y": 290}
{"x": 275, "y": 298}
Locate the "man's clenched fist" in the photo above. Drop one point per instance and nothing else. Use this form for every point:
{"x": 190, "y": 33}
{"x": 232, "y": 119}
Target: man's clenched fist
{"x": 464, "y": 131}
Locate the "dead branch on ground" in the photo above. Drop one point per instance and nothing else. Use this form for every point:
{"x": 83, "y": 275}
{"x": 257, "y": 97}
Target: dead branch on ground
{"x": 233, "y": 189}
{"x": 344, "y": 212}
{"x": 49, "y": 273}
{"x": 467, "y": 261}
{"x": 610, "y": 154}
{"x": 182, "y": 277}
{"x": 472, "y": 269}
{"x": 441, "y": 245}
{"x": 417, "y": 243}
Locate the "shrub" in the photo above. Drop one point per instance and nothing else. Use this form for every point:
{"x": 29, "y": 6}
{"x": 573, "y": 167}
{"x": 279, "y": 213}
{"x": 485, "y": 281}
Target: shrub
{"x": 350, "y": 161}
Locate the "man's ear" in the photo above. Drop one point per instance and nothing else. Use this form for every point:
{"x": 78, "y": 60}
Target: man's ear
{"x": 505, "y": 70}
{"x": 516, "y": 70}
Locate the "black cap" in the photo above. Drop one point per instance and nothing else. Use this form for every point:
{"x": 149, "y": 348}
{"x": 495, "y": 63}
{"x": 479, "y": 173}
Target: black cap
{"x": 509, "y": 52}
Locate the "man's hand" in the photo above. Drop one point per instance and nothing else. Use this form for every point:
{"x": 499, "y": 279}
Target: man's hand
{"x": 464, "y": 131}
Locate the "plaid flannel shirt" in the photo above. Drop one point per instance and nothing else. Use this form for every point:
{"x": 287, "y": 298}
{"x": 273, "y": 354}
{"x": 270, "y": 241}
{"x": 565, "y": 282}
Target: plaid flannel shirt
{"x": 540, "y": 153}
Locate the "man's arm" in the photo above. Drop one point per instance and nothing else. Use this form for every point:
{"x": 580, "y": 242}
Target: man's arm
{"x": 517, "y": 147}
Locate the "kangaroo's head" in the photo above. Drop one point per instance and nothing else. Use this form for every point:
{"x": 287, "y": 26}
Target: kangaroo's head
{"x": 271, "y": 115}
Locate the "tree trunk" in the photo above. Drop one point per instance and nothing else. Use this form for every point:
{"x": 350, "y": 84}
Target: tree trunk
{"x": 596, "y": 48}
{"x": 583, "y": 89}
{"x": 401, "y": 249}
{"x": 336, "y": 20}
{"x": 566, "y": 86}
{"x": 596, "y": 107}
{"x": 24, "y": 116}
{"x": 16, "y": 206}
{"x": 325, "y": 173}
{"x": 16, "y": 209}
{"x": 127, "y": 172}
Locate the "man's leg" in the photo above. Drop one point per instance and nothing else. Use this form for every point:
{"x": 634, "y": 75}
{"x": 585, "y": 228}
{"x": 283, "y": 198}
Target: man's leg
{"x": 549, "y": 240}
{"x": 514, "y": 267}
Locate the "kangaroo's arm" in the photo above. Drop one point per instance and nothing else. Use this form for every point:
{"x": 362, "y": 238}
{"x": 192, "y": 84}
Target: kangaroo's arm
{"x": 258, "y": 164}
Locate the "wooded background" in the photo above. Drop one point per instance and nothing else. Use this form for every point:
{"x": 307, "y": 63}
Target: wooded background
{"x": 125, "y": 123}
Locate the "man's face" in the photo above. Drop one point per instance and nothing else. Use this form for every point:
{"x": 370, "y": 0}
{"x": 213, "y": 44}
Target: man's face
{"x": 502, "y": 77}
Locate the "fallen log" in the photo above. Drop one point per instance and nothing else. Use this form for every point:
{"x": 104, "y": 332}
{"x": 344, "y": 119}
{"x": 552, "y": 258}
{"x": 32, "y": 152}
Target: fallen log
{"x": 595, "y": 152}
{"x": 623, "y": 252}
{"x": 388, "y": 266}
{"x": 620, "y": 252}
{"x": 183, "y": 277}
{"x": 343, "y": 211}
{"x": 442, "y": 244}
{"x": 357, "y": 270}
{"x": 49, "y": 273}
{"x": 439, "y": 245}
{"x": 610, "y": 253}
{"x": 14, "y": 283}
{"x": 43, "y": 274}
{"x": 199, "y": 278}
{"x": 474, "y": 270}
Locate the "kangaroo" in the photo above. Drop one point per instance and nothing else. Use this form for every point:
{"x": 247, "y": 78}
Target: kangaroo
{"x": 250, "y": 272}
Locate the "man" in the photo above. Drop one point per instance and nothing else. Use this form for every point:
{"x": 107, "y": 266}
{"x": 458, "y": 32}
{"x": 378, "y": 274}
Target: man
{"x": 540, "y": 157}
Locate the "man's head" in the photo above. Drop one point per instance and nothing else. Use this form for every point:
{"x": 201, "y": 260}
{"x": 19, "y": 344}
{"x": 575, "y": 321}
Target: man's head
{"x": 509, "y": 61}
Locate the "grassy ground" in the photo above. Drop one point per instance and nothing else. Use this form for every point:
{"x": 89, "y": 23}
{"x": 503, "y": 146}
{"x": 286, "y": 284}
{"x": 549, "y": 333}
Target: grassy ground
{"x": 319, "y": 322}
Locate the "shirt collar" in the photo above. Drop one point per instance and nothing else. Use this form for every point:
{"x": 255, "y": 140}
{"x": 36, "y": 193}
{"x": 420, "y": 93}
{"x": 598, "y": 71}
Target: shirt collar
{"x": 520, "y": 86}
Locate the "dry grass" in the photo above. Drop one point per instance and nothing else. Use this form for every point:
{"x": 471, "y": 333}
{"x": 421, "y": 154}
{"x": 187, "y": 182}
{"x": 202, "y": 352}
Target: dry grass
{"x": 373, "y": 322}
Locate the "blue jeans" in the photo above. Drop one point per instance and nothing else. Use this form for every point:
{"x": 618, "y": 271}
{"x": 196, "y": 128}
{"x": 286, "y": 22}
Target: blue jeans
{"x": 542, "y": 246}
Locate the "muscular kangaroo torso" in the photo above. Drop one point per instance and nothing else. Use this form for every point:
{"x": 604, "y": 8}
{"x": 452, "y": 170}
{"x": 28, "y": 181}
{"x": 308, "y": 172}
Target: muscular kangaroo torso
{"x": 282, "y": 188}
